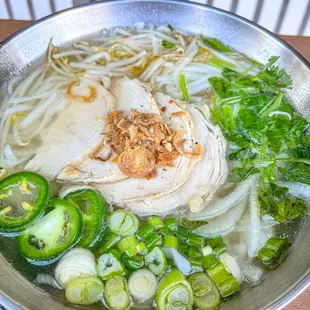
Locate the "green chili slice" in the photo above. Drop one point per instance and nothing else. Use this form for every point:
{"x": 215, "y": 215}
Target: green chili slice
{"x": 23, "y": 199}
{"x": 94, "y": 212}
{"x": 59, "y": 230}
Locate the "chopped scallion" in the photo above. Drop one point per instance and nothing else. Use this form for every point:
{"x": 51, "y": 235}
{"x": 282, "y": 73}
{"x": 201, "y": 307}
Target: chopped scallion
{"x": 167, "y": 44}
{"x": 270, "y": 254}
{"x": 195, "y": 257}
{"x": 195, "y": 240}
{"x": 171, "y": 241}
{"x": 184, "y": 88}
{"x": 110, "y": 240}
{"x": 134, "y": 262}
{"x": 155, "y": 221}
{"x": 145, "y": 231}
{"x": 127, "y": 243}
{"x": 153, "y": 241}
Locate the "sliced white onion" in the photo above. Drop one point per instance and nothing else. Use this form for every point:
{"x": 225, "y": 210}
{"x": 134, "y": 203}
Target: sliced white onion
{"x": 251, "y": 272}
{"x": 264, "y": 235}
{"x": 43, "y": 278}
{"x": 221, "y": 205}
{"x": 231, "y": 266}
{"x": 75, "y": 263}
{"x": 254, "y": 222}
{"x": 238, "y": 250}
{"x": 180, "y": 261}
{"x": 222, "y": 224}
{"x": 299, "y": 190}
{"x": 67, "y": 189}
{"x": 267, "y": 221}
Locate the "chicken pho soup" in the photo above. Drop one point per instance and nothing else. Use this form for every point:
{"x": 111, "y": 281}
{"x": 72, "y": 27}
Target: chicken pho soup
{"x": 150, "y": 166}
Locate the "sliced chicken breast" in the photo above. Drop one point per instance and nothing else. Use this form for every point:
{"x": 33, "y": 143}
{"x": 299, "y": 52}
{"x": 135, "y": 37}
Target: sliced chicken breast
{"x": 133, "y": 191}
{"x": 75, "y": 134}
{"x": 129, "y": 94}
{"x": 205, "y": 179}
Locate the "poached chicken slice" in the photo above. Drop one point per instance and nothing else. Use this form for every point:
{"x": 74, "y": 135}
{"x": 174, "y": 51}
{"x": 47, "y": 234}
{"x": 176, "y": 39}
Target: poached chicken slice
{"x": 134, "y": 191}
{"x": 205, "y": 179}
{"x": 129, "y": 94}
{"x": 75, "y": 134}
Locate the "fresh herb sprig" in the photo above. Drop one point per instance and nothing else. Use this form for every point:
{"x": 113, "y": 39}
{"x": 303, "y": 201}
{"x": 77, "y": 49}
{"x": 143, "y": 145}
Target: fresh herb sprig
{"x": 254, "y": 114}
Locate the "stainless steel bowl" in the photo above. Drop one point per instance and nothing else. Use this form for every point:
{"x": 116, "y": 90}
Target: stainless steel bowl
{"x": 26, "y": 49}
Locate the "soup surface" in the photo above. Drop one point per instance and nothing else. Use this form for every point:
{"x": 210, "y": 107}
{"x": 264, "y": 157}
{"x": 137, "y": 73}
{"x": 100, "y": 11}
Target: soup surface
{"x": 152, "y": 168}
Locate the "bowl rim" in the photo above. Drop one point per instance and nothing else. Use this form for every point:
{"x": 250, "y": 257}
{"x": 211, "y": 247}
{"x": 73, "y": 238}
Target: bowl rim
{"x": 303, "y": 282}
{"x": 182, "y": 2}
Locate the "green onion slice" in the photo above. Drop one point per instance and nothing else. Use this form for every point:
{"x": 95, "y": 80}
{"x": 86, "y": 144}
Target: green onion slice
{"x": 116, "y": 293}
{"x": 142, "y": 285}
{"x": 155, "y": 221}
{"x": 174, "y": 292}
{"x": 206, "y": 294}
{"x": 156, "y": 261}
{"x": 84, "y": 290}
{"x": 171, "y": 241}
{"x": 123, "y": 223}
{"x": 127, "y": 243}
{"x": 109, "y": 265}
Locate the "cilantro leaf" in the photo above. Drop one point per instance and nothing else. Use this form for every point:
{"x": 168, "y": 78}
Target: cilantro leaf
{"x": 243, "y": 153}
{"x": 275, "y": 76}
{"x": 217, "y": 45}
{"x": 221, "y": 86}
{"x": 238, "y": 174}
{"x": 274, "y": 201}
{"x": 170, "y": 27}
{"x": 167, "y": 44}
{"x": 271, "y": 61}
{"x": 253, "y": 113}
{"x": 299, "y": 172}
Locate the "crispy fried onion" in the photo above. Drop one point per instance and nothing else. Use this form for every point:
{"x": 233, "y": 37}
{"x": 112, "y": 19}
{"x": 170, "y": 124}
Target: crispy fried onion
{"x": 87, "y": 99}
{"x": 143, "y": 143}
{"x": 178, "y": 143}
{"x": 137, "y": 161}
